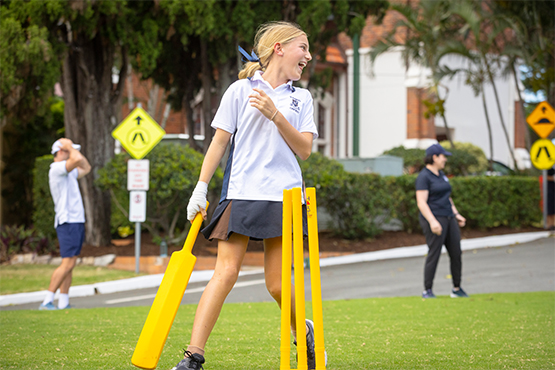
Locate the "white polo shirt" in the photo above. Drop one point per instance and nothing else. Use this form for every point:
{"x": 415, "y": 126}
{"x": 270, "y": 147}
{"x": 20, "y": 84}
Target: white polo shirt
{"x": 260, "y": 163}
{"x": 64, "y": 188}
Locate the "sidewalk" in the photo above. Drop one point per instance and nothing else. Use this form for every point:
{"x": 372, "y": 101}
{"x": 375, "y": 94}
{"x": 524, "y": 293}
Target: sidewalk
{"x": 151, "y": 281}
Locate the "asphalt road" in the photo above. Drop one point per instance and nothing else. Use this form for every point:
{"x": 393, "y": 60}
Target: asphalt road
{"x": 523, "y": 267}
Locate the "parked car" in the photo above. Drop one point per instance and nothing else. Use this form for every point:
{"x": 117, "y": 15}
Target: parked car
{"x": 500, "y": 169}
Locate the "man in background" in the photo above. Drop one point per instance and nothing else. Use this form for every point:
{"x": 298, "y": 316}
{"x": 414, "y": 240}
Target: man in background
{"x": 69, "y": 166}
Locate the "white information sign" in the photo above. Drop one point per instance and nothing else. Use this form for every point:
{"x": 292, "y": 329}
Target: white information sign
{"x": 137, "y": 206}
{"x": 138, "y": 174}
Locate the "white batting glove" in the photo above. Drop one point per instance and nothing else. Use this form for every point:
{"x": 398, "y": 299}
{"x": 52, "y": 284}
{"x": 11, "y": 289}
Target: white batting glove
{"x": 197, "y": 201}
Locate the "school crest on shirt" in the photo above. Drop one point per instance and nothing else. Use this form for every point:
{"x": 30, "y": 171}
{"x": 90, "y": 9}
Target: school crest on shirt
{"x": 295, "y": 104}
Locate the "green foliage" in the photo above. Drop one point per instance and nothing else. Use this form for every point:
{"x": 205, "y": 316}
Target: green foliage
{"x": 18, "y": 239}
{"x": 323, "y": 173}
{"x": 24, "y": 143}
{"x": 174, "y": 171}
{"x": 404, "y": 206}
{"x": 43, "y": 205}
{"x": 467, "y": 159}
{"x": 497, "y": 200}
{"x": 413, "y": 159}
{"x": 532, "y": 42}
{"x": 221, "y": 25}
{"x": 28, "y": 65}
{"x": 360, "y": 204}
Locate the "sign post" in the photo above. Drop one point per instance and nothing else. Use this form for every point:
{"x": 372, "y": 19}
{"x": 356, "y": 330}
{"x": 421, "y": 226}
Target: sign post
{"x": 542, "y": 153}
{"x": 138, "y": 134}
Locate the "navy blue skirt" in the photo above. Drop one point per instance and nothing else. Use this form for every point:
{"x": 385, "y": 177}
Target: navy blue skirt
{"x": 257, "y": 219}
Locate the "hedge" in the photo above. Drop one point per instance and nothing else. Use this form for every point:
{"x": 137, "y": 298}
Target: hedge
{"x": 174, "y": 172}
{"x": 43, "y": 205}
{"x": 467, "y": 159}
{"x": 358, "y": 204}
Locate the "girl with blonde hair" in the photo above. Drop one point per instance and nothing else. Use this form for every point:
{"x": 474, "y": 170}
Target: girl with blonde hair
{"x": 268, "y": 122}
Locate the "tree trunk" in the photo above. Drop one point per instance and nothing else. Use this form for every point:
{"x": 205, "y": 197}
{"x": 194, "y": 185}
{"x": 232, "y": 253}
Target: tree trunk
{"x": 2, "y": 125}
{"x": 490, "y": 135}
{"x": 511, "y": 149}
{"x": 91, "y": 111}
{"x": 188, "y": 110}
{"x": 225, "y": 78}
{"x": 550, "y": 85}
{"x": 207, "y": 98}
{"x": 527, "y": 139}
{"x": 444, "y": 119}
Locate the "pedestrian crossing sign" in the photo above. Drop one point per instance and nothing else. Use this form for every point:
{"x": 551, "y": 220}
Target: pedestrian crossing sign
{"x": 542, "y": 154}
{"x": 138, "y": 133}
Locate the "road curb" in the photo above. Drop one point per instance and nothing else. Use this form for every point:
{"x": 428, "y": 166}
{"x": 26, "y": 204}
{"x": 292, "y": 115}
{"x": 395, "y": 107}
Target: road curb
{"x": 152, "y": 281}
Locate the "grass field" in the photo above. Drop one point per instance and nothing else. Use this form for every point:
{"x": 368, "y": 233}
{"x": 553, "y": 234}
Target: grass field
{"x": 489, "y": 331}
{"x": 31, "y": 278}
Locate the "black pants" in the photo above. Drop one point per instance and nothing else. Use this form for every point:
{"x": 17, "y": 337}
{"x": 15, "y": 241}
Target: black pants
{"x": 451, "y": 238}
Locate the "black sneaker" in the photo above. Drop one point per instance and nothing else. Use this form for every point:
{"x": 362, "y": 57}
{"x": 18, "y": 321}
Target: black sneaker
{"x": 192, "y": 361}
{"x": 428, "y": 294}
{"x": 459, "y": 293}
{"x": 310, "y": 353}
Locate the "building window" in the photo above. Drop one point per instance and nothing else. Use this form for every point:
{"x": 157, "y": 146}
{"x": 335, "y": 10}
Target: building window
{"x": 441, "y": 133}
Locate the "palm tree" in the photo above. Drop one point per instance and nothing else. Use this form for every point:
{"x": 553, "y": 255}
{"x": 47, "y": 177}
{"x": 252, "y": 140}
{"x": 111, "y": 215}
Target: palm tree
{"x": 476, "y": 78}
{"x": 427, "y": 27}
{"x": 478, "y": 34}
{"x": 531, "y": 43}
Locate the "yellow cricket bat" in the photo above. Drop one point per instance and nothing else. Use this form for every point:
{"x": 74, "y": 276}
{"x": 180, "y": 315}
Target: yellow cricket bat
{"x": 170, "y": 293}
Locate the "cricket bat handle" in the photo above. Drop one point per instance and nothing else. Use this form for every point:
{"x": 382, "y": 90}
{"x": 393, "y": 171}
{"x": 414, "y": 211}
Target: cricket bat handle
{"x": 195, "y": 227}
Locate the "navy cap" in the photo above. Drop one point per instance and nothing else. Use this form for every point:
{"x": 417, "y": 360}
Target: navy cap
{"x": 437, "y": 149}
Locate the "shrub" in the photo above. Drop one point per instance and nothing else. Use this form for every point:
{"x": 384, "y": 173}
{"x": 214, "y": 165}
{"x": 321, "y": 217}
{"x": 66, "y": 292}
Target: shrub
{"x": 359, "y": 206}
{"x": 322, "y": 173}
{"x": 403, "y": 205}
{"x": 356, "y": 203}
{"x": 413, "y": 159}
{"x": 467, "y": 159}
{"x": 43, "y": 205}
{"x": 18, "y": 239}
{"x": 488, "y": 202}
{"x": 174, "y": 172}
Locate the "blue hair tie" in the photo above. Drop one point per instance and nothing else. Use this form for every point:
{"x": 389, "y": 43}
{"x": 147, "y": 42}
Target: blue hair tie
{"x": 249, "y": 58}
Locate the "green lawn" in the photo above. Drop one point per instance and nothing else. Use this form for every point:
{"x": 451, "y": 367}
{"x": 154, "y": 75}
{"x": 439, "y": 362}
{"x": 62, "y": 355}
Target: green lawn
{"x": 31, "y": 278}
{"x": 489, "y": 331}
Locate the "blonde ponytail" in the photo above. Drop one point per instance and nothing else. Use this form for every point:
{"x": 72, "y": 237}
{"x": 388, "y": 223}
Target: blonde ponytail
{"x": 267, "y": 35}
{"x": 249, "y": 69}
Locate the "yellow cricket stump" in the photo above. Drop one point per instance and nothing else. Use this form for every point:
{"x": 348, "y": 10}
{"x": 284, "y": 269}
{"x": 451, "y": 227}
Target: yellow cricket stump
{"x": 292, "y": 214}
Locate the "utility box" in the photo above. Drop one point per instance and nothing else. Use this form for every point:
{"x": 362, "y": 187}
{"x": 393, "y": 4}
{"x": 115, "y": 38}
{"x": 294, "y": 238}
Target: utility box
{"x": 385, "y": 165}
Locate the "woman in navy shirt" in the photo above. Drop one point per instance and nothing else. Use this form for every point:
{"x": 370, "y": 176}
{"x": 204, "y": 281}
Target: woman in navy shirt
{"x": 439, "y": 219}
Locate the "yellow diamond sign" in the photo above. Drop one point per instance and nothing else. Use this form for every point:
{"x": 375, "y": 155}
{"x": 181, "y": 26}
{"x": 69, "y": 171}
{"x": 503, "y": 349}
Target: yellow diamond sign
{"x": 542, "y": 154}
{"x": 542, "y": 119}
{"x": 138, "y": 133}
